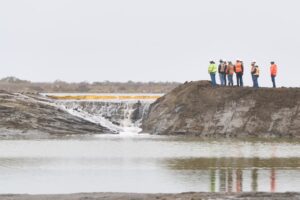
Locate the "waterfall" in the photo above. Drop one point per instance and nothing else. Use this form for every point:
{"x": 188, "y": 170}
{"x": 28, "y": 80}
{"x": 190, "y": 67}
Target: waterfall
{"x": 124, "y": 117}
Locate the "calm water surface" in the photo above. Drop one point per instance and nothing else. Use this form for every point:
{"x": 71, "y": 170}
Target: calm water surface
{"x": 149, "y": 164}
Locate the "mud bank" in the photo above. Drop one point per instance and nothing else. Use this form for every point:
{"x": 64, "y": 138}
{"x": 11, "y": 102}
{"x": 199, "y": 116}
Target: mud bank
{"x": 32, "y": 115}
{"x": 183, "y": 196}
{"x": 195, "y": 108}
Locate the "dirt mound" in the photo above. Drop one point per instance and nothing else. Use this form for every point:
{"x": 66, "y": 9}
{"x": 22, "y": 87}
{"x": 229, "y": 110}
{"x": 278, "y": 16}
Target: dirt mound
{"x": 32, "y": 113}
{"x": 195, "y": 108}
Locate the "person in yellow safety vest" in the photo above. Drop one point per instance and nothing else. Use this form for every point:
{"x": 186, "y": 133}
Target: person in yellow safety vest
{"x": 255, "y": 75}
{"x": 212, "y": 70}
{"x": 230, "y": 72}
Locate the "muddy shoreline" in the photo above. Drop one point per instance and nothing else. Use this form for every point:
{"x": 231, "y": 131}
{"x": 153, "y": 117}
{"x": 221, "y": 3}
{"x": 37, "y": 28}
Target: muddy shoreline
{"x": 137, "y": 196}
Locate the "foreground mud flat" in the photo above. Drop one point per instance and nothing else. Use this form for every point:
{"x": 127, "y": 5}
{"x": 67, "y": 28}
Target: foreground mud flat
{"x": 133, "y": 196}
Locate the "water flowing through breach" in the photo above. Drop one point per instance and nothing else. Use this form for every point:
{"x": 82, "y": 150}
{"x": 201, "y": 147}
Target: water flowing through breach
{"x": 122, "y": 116}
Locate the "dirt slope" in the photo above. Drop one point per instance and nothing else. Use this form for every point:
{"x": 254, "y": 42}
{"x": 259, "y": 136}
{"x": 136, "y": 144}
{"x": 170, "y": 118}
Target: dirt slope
{"x": 27, "y": 114}
{"x": 198, "y": 109}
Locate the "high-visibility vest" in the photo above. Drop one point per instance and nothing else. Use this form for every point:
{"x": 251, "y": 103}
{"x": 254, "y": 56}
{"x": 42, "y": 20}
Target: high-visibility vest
{"x": 256, "y": 72}
{"x": 212, "y": 68}
{"x": 238, "y": 67}
{"x": 230, "y": 69}
{"x": 222, "y": 68}
{"x": 273, "y": 70}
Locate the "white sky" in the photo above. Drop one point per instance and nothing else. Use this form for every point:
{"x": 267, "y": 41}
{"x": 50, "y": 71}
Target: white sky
{"x": 146, "y": 40}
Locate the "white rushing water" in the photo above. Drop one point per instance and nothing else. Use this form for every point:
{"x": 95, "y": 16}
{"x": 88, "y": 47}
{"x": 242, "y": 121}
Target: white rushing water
{"x": 122, "y": 116}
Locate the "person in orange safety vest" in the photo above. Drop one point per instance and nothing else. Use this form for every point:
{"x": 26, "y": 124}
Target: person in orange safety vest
{"x": 230, "y": 72}
{"x": 239, "y": 70}
{"x": 273, "y": 70}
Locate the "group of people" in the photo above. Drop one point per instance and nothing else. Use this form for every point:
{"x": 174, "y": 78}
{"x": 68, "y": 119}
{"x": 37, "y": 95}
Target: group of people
{"x": 226, "y": 71}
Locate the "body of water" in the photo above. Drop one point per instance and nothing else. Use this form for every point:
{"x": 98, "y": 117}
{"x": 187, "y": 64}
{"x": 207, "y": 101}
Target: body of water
{"x": 147, "y": 164}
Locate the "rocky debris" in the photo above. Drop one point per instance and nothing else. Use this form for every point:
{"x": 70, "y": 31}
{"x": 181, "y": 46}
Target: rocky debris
{"x": 30, "y": 113}
{"x": 182, "y": 196}
{"x": 139, "y": 111}
{"x": 195, "y": 108}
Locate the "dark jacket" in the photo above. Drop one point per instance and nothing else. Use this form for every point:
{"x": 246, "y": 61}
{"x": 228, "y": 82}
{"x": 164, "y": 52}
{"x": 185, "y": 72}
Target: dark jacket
{"x": 220, "y": 67}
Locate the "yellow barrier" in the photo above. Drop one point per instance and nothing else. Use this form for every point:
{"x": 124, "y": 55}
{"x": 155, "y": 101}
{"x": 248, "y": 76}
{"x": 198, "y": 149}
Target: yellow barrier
{"x": 109, "y": 97}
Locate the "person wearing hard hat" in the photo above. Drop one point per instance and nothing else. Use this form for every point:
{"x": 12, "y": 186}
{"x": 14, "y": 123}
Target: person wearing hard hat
{"x": 255, "y": 75}
{"x": 230, "y": 72}
{"x": 239, "y": 70}
{"x": 252, "y": 71}
{"x": 273, "y": 70}
{"x": 222, "y": 72}
{"x": 212, "y": 70}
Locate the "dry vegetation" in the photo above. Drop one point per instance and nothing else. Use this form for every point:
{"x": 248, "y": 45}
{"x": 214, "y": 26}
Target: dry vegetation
{"x": 13, "y": 84}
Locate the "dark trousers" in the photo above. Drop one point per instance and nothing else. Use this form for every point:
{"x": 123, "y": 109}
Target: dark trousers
{"x": 230, "y": 79}
{"x": 252, "y": 75}
{"x": 223, "y": 79}
{"x": 255, "y": 81}
{"x": 213, "y": 79}
{"x": 273, "y": 81}
{"x": 239, "y": 79}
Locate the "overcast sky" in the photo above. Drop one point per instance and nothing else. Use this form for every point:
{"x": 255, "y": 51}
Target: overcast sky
{"x": 147, "y": 40}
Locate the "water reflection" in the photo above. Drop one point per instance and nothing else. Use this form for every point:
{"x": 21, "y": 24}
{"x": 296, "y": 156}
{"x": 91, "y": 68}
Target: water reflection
{"x": 147, "y": 165}
{"x": 222, "y": 181}
{"x": 227, "y": 179}
{"x": 239, "y": 180}
{"x": 273, "y": 180}
{"x": 241, "y": 174}
{"x": 212, "y": 180}
{"x": 254, "y": 176}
